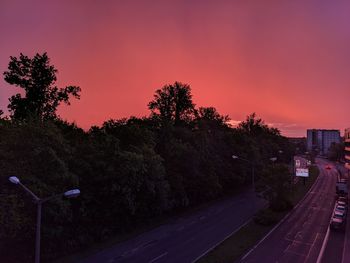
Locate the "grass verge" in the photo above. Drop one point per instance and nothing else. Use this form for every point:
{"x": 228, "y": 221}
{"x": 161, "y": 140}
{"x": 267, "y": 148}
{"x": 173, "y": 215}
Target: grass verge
{"x": 239, "y": 243}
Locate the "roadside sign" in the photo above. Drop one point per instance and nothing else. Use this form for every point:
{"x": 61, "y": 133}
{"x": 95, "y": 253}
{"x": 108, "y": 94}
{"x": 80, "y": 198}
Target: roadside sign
{"x": 302, "y": 172}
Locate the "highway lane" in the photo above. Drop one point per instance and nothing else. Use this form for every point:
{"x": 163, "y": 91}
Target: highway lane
{"x": 337, "y": 247}
{"x": 186, "y": 238}
{"x": 300, "y": 236}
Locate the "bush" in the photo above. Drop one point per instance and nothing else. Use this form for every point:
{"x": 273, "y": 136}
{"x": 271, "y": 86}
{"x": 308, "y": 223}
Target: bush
{"x": 266, "y": 217}
{"x": 280, "y": 205}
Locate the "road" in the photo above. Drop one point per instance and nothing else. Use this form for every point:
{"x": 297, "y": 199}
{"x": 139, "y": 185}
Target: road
{"x": 337, "y": 249}
{"x": 300, "y": 236}
{"x": 187, "y": 238}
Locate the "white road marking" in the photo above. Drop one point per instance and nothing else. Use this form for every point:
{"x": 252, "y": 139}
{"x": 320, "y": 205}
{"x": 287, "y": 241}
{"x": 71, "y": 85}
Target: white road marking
{"x": 283, "y": 219}
{"x": 324, "y": 244}
{"x": 160, "y": 256}
{"x": 218, "y": 243}
{"x": 312, "y": 245}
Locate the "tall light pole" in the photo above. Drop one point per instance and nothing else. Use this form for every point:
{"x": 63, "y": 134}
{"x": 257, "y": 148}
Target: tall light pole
{"x": 273, "y": 159}
{"x": 253, "y": 168}
{"x": 39, "y": 202}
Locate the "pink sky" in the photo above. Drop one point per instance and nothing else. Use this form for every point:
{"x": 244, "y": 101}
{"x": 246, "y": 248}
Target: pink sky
{"x": 288, "y": 61}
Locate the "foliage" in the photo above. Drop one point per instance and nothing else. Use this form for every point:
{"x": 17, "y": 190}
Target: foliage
{"x": 37, "y": 78}
{"x": 336, "y": 152}
{"x": 173, "y": 103}
{"x": 266, "y": 217}
{"x": 276, "y": 178}
{"x": 129, "y": 170}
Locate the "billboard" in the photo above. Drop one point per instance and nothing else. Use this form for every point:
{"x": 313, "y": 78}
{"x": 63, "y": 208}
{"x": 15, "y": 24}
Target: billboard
{"x": 302, "y": 172}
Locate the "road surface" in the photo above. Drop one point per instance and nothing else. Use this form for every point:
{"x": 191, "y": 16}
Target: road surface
{"x": 337, "y": 249}
{"x": 185, "y": 239}
{"x": 300, "y": 236}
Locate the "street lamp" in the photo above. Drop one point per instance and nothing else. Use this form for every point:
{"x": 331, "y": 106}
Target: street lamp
{"x": 273, "y": 159}
{"x": 69, "y": 194}
{"x": 252, "y": 164}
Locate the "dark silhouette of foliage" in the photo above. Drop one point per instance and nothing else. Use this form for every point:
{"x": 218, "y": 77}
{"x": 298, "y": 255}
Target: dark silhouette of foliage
{"x": 130, "y": 171}
{"x": 37, "y": 78}
{"x": 173, "y": 103}
{"x": 276, "y": 179}
{"x": 336, "y": 152}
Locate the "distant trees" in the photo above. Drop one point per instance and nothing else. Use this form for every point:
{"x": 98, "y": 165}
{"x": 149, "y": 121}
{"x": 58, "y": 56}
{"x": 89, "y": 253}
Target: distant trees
{"x": 129, "y": 170}
{"x": 37, "y": 78}
{"x": 336, "y": 151}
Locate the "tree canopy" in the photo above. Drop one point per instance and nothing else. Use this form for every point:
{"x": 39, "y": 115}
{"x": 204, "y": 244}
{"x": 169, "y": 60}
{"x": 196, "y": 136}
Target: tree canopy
{"x": 173, "y": 103}
{"x": 130, "y": 171}
{"x": 37, "y": 78}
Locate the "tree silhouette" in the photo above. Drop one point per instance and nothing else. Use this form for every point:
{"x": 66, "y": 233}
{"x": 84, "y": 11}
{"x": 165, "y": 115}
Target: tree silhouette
{"x": 173, "y": 103}
{"x": 255, "y": 126}
{"x": 37, "y": 77}
{"x": 211, "y": 114}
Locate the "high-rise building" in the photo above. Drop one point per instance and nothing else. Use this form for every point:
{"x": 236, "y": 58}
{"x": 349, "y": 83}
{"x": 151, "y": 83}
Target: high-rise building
{"x": 347, "y": 148}
{"x": 321, "y": 140}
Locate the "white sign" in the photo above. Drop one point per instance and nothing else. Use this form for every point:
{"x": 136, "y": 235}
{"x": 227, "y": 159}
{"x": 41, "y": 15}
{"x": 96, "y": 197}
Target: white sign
{"x": 302, "y": 172}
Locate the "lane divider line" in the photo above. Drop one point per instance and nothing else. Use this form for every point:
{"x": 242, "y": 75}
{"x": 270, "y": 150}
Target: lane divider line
{"x": 159, "y": 257}
{"x": 283, "y": 219}
{"x": 323, "y": 248}
{"x": 221, "y": 241}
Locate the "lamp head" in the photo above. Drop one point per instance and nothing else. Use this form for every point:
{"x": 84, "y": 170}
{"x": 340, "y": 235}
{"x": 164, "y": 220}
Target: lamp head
{"x": 14, "y": 180}
{"x": 72, "y": 193}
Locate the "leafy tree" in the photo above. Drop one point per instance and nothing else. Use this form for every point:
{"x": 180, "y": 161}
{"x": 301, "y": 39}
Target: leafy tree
{"x": 37, "y": 153}
{"x": 173, "y": 103}
{"x": 143, "y": 167}
{"x": 336, "y": 151}
{"x": 133, "y": 133}
{"x": 211, "y": 117}
{"x": 275, "y": 179}
{"x": 41, "y": 96}
{"x": 256, "y": 126}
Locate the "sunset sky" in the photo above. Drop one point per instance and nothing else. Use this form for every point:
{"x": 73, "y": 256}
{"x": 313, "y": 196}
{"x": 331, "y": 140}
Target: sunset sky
{"x": 288, "y": 61}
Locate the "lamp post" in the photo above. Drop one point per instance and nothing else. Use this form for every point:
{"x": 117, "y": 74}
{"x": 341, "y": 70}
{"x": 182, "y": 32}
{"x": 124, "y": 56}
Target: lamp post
{"x": 69, "y": 194}
{"x": 253, "y": 167}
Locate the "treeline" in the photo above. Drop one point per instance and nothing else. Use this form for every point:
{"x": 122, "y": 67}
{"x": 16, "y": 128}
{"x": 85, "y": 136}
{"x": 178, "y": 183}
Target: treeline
{"x": 130, "y": 171}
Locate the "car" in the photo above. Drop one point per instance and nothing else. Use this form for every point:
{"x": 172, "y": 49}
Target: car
{"x": 340, "y": 208}
{"x": 341, "y": 189}
{"x": 342, "y": 203}
{"x": 337, "y": 223}
{"x": 339, "y": 214}
{"x": 343, "y": 199}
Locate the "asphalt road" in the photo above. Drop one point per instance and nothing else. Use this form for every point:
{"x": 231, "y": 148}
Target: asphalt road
{"x": 187, "y": 238}
{"x": 337, "y": 248}
{"x": 300, "y": 236}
